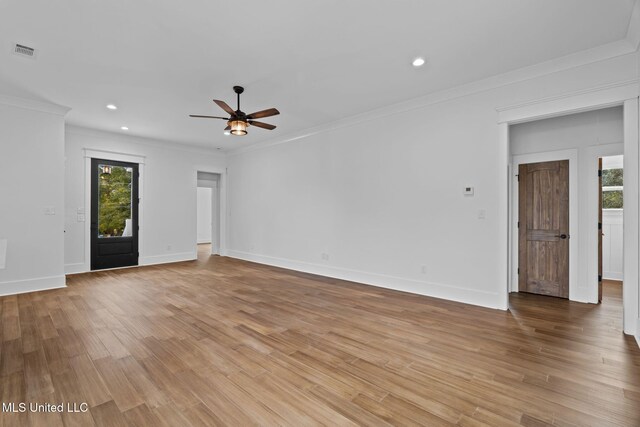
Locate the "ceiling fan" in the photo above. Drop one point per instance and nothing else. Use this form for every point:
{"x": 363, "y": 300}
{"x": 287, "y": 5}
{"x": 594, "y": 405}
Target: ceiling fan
{"x": 238, "y": 121}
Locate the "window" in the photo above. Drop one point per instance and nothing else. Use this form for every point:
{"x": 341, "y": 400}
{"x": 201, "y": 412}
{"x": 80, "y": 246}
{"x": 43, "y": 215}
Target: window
{"x": 612, "y": 185}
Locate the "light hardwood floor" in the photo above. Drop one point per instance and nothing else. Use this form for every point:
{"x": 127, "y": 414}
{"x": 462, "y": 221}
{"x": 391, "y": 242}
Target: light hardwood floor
{"x": 226, "y": 342}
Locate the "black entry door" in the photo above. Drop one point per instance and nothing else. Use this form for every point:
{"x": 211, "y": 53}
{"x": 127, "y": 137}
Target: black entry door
{"x": 114, "y": 214}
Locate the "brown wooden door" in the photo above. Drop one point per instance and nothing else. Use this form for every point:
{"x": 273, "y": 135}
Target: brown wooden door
{"x": 544, "y": 228}
{"x": 600, "y": 230}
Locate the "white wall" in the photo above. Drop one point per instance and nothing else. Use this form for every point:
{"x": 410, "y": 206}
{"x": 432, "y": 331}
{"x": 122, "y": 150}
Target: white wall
{"x": 378, "y": 199}
{"x": 204, "y": 214}
{"x": 589, "y": 133}
{"x": 169, "y": 194}
{"x": 31, "y": 180}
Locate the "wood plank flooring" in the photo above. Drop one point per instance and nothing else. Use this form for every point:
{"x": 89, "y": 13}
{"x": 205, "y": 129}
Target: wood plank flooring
{"x": 220, "y": 341}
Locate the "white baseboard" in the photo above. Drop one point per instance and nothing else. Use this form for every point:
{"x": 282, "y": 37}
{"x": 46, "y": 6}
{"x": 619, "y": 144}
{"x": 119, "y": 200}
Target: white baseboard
{"x": 204, "y": 241}
{"x": 32, "y": 285}
{"x": 612, "y": 275}
{"x": 436, "y": 290}
{"x": 165, "y": 259}
{"x": 76, "y": 268}
{"x": 638, "y": 332}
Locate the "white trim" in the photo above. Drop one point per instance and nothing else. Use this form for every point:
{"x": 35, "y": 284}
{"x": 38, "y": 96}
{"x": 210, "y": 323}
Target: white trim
{"x": 222, "y": 213}
{"x": 76, "y": 268}
{"x": 32, "y": 285}
{"x": 590, "y": 56}
{"x": 504, "y": 213}
{"x": 435, "y": 290}
{"x": 612, "y": 275}
{"x": 32, "y": 104}
{"x": 577, "y": 101}
{"x": 151, "y": 142}
{"x": 119, "y": 157}
{"x": 631, "y": 214}
{"x": 575, "y": 238}
{"x": 113, "y": 155}
{"x": 169, "y": 258}
{"x": 591, "y": 101}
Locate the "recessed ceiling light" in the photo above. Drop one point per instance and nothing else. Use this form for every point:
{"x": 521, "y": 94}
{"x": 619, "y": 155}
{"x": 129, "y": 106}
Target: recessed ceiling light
{"x": 227, "y": 132}
{"x": 418, "y": 62}
{"x": 124, "y": 128}
{"x": 111, "y": 107}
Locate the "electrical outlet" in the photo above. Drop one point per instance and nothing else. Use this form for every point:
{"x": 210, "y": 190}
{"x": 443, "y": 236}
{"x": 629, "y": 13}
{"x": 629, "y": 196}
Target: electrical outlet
{"x": 424, "y": 269}
{"x": 168, "y": 247}
{"x": 325, "y": 257}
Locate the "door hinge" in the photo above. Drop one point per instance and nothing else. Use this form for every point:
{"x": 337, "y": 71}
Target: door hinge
{"x": 518, "y": 176}
{"x": 599, "y": 226}
{"x": 599, "y": 278}
{"x": 518, "y": 270}
{"x": 599, "y": 172}
{"x": 518, "y": 224}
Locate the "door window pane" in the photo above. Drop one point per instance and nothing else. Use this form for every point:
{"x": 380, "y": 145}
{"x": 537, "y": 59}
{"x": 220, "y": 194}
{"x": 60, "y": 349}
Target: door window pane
{"x": 612, "y": 199}
{"x": 114, "y": 203}
{"x": 612, "y": 177}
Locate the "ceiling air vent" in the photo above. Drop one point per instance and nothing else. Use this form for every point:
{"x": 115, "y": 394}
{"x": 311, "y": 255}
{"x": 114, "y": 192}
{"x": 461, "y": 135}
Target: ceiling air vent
{"x": 22, "y": 50}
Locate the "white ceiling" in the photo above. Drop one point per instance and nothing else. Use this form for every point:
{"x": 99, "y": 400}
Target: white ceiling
{"x": 160, "y": 60}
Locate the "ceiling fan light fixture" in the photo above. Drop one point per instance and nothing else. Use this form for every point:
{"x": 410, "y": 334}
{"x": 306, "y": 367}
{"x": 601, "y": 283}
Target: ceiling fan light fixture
{"x": 238, "y": 127}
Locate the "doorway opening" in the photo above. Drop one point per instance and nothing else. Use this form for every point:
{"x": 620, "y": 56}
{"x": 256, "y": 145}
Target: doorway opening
{"x": 611, "y": 225}
{"x": 208, "y": 214}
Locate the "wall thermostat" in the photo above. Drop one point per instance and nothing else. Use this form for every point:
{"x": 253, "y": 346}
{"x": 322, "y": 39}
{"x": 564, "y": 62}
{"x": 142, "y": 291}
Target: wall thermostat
{"x": 468, "y": 191}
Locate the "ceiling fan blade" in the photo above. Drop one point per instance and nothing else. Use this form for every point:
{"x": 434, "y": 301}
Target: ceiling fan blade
{"x": 225, "y": 107}
{"x": 264, "y": 113}
{"x": 208, "y": 117}
{"x": 261, "y": 125}
{"x": 227, "y": 128}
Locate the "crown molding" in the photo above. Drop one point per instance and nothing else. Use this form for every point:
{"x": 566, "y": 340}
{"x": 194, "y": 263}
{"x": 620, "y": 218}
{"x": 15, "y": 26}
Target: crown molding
{"x": 578, "y": 59}
{"x": 156, "y": 143}
{"x": 630, "y": 87}
{"x": 32, "y": 104}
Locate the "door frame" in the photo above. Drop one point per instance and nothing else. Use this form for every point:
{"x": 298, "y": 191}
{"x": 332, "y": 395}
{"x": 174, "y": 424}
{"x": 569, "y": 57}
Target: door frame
{"x": 90, "y": 154}
{"x": 220, "y": 213}
{"x": 572, "y": 157}
{"x": 622, "y": 93}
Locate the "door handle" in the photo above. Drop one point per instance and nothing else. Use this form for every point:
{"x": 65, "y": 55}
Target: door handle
{"x": 562, "y": 236}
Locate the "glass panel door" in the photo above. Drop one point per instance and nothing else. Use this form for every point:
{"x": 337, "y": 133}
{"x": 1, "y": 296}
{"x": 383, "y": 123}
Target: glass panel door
{"x": 114, "y": 214}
